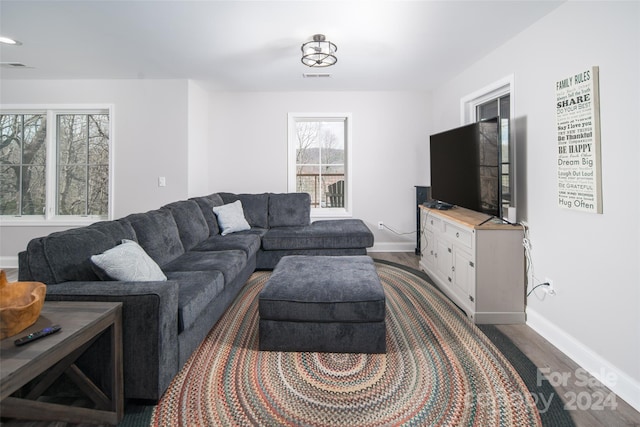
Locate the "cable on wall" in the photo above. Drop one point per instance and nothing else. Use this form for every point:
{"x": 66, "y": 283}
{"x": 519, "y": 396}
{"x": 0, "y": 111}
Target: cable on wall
{"x": 397, "y": 232}
{"x": 529, "y": 270}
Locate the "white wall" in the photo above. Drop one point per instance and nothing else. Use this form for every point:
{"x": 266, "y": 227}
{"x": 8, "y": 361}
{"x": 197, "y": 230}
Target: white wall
{"x": 389, "y": 145}
{"x": 198, "y": 140}
{"x": 592, "y": 259}
{"x": 150, "y": 140}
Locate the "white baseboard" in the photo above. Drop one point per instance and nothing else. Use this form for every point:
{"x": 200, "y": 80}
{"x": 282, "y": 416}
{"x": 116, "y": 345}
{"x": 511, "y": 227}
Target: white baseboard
{"x": 8, "y": 262}
{"x": 393, "y": 247}
{"x": 611, "y": 376}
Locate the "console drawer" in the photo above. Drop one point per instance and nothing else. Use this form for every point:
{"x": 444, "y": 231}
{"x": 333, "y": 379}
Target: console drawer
{"x": 459, "y": 235}
{"x": 434, "y": 223}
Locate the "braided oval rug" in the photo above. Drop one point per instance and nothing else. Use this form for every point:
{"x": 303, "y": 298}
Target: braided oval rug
{"x": 439, "y": 370}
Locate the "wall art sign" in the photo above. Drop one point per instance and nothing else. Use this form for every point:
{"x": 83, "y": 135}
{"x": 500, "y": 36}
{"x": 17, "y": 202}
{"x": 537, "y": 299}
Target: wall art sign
{"x": 578, "y": 126}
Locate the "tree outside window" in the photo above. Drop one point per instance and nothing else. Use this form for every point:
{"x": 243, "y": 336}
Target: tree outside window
{"x": 83, "y": 164}
{"x": 22, "y": 164}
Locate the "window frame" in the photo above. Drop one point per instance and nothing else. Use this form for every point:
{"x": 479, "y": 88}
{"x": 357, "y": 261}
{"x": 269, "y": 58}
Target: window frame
{"x": 51, "y": 111}
{"x": 292, "y": 143}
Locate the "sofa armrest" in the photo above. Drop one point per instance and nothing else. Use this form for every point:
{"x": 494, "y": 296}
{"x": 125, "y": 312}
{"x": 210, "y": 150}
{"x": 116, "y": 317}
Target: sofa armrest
{"x": 149, "y": 329}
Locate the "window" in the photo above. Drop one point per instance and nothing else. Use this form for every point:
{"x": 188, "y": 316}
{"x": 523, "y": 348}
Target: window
{"x": 500, "y": 107}
{"x": 55, "y": 164}
{"x": 319, "y": 161}
{"x": 496, "y": 100}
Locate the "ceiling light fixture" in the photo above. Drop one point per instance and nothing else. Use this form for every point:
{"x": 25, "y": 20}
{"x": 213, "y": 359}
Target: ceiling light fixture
{"x": 7, "y": 40}
{"x": 319, "y": 52}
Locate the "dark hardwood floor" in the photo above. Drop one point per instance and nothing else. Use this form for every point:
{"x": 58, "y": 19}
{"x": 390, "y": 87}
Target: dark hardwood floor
{"x": 540, "y": 351}
{"x": 545, "y": 356}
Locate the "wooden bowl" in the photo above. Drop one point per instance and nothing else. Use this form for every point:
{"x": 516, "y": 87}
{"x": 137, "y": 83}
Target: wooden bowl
{"x": 20, "y": 305}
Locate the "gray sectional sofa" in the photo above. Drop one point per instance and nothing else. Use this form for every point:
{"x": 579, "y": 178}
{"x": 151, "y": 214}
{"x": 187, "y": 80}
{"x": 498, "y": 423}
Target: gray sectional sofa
{"x": 165, "y": 320}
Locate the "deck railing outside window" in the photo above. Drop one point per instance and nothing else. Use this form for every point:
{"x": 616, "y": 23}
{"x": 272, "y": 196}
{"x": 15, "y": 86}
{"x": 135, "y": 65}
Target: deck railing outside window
{"x": 326, "y": 190}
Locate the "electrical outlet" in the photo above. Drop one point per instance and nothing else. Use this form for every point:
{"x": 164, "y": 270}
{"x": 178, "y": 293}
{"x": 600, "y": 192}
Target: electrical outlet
{"x": 380, "y": 225}
{"x": 549, "y": 290}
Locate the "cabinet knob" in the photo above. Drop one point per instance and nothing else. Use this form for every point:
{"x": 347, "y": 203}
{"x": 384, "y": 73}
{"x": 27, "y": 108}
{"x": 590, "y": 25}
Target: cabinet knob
{"x": 457, "y": 234}
{"x": 453, "y": 268}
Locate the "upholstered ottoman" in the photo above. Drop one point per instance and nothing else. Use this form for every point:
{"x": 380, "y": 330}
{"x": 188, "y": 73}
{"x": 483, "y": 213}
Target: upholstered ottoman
{"x": 323, "y": 303}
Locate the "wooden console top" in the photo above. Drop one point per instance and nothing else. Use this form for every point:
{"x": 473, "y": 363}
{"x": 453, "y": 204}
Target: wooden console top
{"x": 471, "y": 219}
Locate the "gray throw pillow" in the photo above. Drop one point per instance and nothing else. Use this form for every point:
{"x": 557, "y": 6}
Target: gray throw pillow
{"x": 129, "y": 262}
{"x": 231, "y": 218}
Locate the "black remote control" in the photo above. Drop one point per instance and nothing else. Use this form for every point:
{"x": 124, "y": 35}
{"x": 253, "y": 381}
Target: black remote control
{"x": 34, "y": 336}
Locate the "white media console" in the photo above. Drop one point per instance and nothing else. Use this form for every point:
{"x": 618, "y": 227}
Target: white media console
{"x": 479, "y": 264}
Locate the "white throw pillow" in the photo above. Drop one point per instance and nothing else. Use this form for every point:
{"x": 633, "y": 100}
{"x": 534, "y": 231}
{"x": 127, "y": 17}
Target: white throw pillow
{"x": 129, "y": 262}
{"x": 231, "y": 218}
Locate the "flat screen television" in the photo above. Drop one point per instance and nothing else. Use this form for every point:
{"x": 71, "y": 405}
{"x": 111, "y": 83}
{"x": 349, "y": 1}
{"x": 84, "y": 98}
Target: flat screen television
{"x": 466, "y": 167}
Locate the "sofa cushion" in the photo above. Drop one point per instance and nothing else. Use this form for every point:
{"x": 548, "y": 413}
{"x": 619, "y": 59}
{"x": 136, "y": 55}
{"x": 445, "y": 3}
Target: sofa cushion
{"x": 197, "y": 289}
{"x": 329, "y": 234}
{"x": 229, "y": 263}
{"x": 267, "y": 260}
{"x": 157, "y": 233}
{"x": 128, "y": 262}
{"x": 191, "y": 223}
{"x": 289, "y": 209}
{"x": 231, "y": 218}
{"x": 207, "y": 203}
{"x": 116, "y": 230}
{"x": 329, "y": 289}
{"x": 247, "y": 241}
{"x": 255, "y": 207}
{"x": 64, "y": 256}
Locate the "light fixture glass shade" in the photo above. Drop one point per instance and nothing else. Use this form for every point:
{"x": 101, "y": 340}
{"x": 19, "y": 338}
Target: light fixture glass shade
{"x": 319, "y": 52}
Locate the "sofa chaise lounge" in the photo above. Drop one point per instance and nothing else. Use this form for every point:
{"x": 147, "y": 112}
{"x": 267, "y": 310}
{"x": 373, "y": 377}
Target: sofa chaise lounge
{"x": 164, "y": 321}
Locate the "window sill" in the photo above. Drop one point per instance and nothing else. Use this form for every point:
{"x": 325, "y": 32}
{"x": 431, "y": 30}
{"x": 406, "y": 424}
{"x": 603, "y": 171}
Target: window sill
{"x": 54, "y": 222}
{"x": 330, "y": 213}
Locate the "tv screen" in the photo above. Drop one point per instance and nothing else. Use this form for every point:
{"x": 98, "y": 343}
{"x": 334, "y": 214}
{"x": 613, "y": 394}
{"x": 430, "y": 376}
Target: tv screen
{"x": 465, "y": 167}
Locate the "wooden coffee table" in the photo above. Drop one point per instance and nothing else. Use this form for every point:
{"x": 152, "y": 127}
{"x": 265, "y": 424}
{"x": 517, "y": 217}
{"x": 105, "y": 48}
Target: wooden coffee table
{"x": 82, "y": 323}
